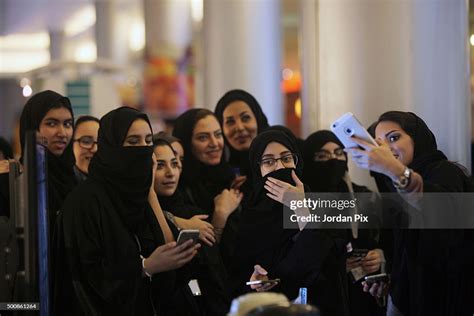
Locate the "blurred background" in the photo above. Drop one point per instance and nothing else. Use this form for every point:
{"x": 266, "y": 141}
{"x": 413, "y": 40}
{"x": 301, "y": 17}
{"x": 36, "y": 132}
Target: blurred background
{"x": 306, "y": 61}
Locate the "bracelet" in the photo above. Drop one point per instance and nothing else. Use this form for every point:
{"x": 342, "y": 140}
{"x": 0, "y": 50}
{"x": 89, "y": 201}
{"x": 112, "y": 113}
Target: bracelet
{"x": 171, "y": 218}
{"x": 143, "y": 267}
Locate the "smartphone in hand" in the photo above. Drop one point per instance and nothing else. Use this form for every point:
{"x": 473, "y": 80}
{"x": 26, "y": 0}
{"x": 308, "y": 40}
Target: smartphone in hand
{"x": 357, "y": 253}
{"x": 187, "y": 234}
{"x": 347, "y": 126}
{"x": 371, "y": 279}
{"x": 263, "y": 282}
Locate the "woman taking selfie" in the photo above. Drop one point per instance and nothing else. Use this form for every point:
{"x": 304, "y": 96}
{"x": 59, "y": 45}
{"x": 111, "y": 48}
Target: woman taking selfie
{"x": 432, "y": 269}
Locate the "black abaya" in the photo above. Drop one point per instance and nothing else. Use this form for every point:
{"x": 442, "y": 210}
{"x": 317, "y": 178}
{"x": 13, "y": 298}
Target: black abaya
{"x": 432, "y": 269}
{"x": 308, "y": 258}
{"x": 107, "y": 224}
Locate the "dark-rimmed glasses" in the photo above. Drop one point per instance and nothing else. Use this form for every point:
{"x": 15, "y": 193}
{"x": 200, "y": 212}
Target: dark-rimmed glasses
{"x": 86, "y": 142}
{"x": 324, "y": 155}
{"x": 288, "y": 161}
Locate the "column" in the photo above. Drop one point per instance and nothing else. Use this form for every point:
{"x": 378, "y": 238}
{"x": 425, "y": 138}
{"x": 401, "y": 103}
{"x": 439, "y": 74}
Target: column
{"x": 309, "y": 53}
{"x": 56, "y": 45}
{"x": 168, "y": 78}
{"x": 242, "y": 49}
{"x": 104, "y": 28}
{"x": 375, "y": 56}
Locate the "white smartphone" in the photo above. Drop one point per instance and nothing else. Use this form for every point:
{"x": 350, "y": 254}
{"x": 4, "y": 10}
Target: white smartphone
{"x": 187, "y": 234}
{"x": 382, "y": 277}
{"x": 347, "y": 126}
{"x": 263, "y": 282}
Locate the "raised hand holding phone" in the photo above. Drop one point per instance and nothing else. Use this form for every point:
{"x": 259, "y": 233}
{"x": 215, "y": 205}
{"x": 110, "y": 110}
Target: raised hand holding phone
{"x": 347, "y": 127}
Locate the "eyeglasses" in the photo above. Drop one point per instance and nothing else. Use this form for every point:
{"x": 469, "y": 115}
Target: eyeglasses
{"x": 270, "y": 164}
{"x": 86, "y": 142}
{"x": 326, "y": 155}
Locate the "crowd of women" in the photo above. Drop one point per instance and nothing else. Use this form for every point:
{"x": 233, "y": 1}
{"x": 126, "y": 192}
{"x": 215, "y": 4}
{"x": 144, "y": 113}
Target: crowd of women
{"x": 118, "y": 195}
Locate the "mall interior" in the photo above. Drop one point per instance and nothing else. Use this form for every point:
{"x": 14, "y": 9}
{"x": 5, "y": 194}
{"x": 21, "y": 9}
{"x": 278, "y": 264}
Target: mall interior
{"x": 307, "y": 62}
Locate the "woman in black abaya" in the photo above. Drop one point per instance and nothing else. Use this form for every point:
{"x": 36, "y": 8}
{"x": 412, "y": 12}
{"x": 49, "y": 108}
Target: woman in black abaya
{"x": 119, "y": 247}
{"x": 300, "y": 258}
{"x": 241, "y": 118}
{"x": 207, "y": 268}
{"x": 50, "y": 115}
{"x": 432, "y": 270}
{"x": 207, "y": 180}
{"x": 325, "y": 170}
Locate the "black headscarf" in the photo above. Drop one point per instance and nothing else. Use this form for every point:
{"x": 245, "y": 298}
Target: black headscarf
{"x": 241, "y": 95}
{"x": 260, "y": 143}
{"x": 426, "y": 153}
{"x": 195, "y": 174}
{"x": 125, "y": 172}
{"x": 61, "y": 179}
{"x": 262, "y": 223}
{"x": 240, "y": 158}
{"x": 173, "y": 203}
{"x": 298, "y": 141}
{"x": 323, "y": 176}
{"x": 162, "y": 136}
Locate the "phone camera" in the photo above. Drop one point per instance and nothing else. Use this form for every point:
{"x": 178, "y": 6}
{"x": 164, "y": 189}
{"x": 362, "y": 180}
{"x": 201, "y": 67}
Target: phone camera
{"x": 349, "y": 131}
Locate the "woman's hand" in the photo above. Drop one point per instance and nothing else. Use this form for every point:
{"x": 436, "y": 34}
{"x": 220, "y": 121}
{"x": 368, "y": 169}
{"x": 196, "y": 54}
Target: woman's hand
{"x": 170, "y": 256}
{"x": 260, "y": 273}
{"x": 227, "y": 202}
{"x": 4, "y": 166}
{"x": 206, "y": 230}
{"x": 237, "y": 183}
{"x": 371, "y": 263}
{"x": 376, "y": 158}
{"x": 352, "y": 263}
{"x": 377, "y": 289}
{"x": 278, "y": 190}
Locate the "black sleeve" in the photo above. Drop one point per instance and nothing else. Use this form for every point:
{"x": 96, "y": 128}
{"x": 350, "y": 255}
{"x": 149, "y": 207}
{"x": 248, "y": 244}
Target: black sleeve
{"x": 98, "y": 281}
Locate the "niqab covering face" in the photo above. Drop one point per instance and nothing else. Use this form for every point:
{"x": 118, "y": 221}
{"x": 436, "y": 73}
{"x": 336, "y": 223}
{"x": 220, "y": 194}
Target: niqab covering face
{"x": 323, "y": 176}
{"x": 126, "y": 172}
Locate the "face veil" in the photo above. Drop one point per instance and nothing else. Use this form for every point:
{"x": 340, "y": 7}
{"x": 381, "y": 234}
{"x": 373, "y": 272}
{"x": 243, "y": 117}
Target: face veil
{"x": 127, "y": 179}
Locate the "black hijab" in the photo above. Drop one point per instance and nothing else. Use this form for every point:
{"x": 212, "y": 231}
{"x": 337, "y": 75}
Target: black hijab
{"x": 426, "y": 154}
{"x": 262, "y": 230}
{"x": 61, "y": 179}
{"x": 162, "y": 136}
{"x": 125, "y": 172}
{"x": 323, "y": 176}
{"x": 298, "y": 141}
{"x": 240, "y": 158}
{"x": 241, "y": 95}
{"x": 261, "y": 142}
{"x": 208, "y": 180}
{"x": 173, "y": 203}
